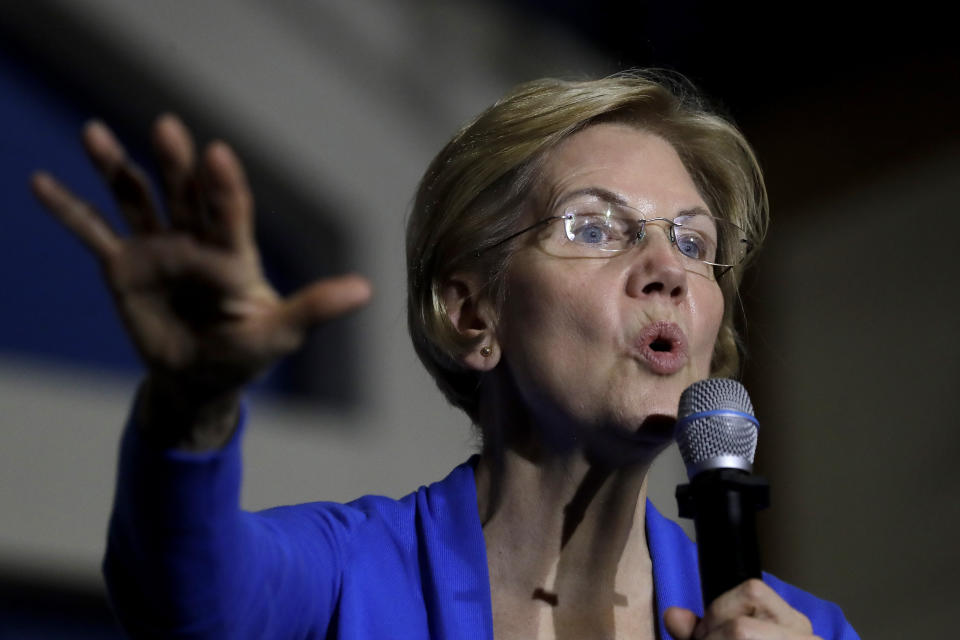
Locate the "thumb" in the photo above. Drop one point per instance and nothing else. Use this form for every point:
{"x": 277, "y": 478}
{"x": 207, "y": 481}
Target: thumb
{"x": 326, "y": 299}
{"x": 680, "y": 623}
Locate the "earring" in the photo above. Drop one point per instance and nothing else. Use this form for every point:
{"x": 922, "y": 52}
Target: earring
{"x": 485, "y": 351}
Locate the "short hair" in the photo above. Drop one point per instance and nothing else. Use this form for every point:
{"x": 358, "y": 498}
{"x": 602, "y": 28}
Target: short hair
{"x": 471, "y": 198}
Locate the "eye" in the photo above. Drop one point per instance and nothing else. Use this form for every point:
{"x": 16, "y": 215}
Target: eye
{"x": 696, "y": 237}
{"x": 589, "y": 233}
{"x": 692, "y": 245}
{"x": 594, "y": 230}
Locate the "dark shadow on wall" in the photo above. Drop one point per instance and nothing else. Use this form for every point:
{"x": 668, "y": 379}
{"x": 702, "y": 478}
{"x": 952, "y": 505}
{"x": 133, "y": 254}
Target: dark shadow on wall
{"x": 38, "y": 611}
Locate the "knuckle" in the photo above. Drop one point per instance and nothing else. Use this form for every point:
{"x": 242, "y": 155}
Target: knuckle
{"x": 753, "y": 589}
{"x": 740, "y": 628}
{"x": 113, "y": 271}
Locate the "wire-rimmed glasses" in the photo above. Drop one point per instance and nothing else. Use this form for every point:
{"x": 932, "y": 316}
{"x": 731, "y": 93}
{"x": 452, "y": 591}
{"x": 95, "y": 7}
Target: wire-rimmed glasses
{"x": 594, "y": 228}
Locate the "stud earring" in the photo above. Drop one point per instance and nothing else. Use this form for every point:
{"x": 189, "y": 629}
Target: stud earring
{"x": 485, "y": 351}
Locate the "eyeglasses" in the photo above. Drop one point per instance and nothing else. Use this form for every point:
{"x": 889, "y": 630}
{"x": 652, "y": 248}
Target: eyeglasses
{"x": 600, "y": 229}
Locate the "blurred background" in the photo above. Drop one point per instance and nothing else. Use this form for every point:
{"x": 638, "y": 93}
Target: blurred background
{"x": 336, "y": 107}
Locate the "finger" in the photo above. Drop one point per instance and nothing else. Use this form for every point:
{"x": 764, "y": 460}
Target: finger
{"x": 170, "y": 257}
{"x": 127, "y": 182}
{"x": 755, "y": 599}
{"x": 680, "y": 622}
{"x": 75, "y": 214}
{"x": 228, "y": 197}
{"x": 325, "y": 300}
{"x": 746, "y": 628}
{"x": 175, "y": 152}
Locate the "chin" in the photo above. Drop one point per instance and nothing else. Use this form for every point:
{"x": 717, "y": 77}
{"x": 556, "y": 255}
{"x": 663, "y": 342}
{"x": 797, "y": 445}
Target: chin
{"x": 657, "y": 397}
{"x": 617, "y": 444}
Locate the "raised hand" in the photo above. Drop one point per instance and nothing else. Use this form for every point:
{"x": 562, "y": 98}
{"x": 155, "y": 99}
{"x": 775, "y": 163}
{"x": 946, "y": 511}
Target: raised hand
{"x": 189, "y": 287}
{"x": 750, "y": 611}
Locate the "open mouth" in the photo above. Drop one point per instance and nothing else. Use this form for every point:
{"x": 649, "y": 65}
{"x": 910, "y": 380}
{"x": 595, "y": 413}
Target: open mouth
{"x": 661, "y": 344}
{"x": 663, "y": 347}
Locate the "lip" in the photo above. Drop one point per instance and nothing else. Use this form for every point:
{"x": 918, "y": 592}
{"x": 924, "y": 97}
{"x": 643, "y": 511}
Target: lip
{"x": 663, "y": 347}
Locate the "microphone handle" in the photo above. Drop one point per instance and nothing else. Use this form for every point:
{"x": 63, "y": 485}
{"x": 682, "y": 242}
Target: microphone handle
{"x": 723, "y": 504}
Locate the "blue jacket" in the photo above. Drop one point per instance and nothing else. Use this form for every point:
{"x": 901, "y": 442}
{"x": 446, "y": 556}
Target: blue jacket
{"x": 184, "y": 561}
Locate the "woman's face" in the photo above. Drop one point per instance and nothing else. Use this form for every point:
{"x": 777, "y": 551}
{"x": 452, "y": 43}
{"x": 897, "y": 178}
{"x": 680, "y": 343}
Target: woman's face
{"x": 607, "y": 342}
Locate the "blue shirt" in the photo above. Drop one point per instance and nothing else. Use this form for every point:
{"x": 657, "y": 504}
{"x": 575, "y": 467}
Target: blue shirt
{"x": 184, "y": 561}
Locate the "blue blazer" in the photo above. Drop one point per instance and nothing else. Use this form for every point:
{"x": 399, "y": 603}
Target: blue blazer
{"x": 184, "y": 561}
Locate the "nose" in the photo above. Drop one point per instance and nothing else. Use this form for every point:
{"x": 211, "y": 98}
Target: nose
{"x": 656, "y": 267}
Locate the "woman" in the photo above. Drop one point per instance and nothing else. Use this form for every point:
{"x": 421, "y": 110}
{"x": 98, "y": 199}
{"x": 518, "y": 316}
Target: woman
{"x": 573, "y": 255}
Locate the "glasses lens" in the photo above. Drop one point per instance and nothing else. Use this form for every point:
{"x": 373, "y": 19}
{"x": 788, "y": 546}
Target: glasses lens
{"x": 710, "y": 240}
{"x": 599, "y": 229}
{"x": 588, "y": 234}
{"x": 696, "y": 237}
{"x": 732, "y": 244}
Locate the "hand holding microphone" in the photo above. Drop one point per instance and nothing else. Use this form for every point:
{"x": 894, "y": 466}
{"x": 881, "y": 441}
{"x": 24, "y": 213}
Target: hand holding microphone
{"x": 717, "y": 436}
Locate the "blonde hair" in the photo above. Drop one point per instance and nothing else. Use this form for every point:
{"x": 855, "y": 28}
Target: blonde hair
{"x": 471, "y": 195}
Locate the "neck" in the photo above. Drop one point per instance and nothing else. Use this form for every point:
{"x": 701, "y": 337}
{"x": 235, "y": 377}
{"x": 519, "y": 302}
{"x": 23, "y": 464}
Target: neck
{"x": 555, "y": 513}
{"x": 566, "y": 546}
{"x": 563, "y": 509}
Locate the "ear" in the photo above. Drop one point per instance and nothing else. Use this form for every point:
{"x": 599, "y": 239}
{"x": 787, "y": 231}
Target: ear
{"x": 472, "y": 315}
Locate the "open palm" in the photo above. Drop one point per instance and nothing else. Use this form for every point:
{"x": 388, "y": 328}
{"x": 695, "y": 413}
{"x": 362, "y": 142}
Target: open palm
{"x": 189, "y": 285}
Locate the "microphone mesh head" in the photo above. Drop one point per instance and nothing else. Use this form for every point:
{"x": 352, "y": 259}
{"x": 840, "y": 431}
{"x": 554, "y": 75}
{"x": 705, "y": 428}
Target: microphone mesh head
{"x": 717, "y": 436}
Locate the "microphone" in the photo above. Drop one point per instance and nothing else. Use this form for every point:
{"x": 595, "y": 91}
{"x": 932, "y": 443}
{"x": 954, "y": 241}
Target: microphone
{"x": 717, "y": 435}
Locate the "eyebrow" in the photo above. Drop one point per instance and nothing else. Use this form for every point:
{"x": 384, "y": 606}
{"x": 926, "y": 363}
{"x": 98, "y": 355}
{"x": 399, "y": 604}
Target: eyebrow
{"x": 617, "y": 199}
{"x": 597, "y": 192}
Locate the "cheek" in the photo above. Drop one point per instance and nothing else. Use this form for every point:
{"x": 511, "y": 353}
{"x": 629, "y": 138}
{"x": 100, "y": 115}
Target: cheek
{"x": 556, "y": 339}
{"x": 553, "y": 319}
{"x": 541, "y": 309}
{"x": 707, "y": 314}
